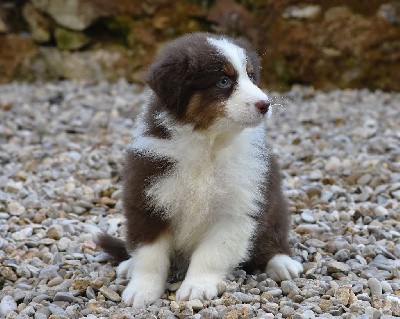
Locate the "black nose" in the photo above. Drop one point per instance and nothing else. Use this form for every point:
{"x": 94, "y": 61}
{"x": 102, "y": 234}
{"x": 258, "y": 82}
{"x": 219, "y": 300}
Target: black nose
{"x": 262, "y": 106}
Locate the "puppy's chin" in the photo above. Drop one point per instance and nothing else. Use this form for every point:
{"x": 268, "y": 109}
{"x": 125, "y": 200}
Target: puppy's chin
{"x": 247, "y": 121}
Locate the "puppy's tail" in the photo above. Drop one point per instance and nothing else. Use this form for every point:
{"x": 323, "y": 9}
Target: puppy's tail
{"x": 113, "y": 246}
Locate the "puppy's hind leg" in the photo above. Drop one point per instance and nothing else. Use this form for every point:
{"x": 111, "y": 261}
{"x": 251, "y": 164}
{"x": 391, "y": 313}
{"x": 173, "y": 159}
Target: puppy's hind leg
{"x": 149, "y": 267}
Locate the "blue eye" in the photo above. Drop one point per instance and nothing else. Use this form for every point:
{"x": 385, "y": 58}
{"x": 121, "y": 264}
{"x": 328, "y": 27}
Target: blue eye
{"x": 224, "y": 82}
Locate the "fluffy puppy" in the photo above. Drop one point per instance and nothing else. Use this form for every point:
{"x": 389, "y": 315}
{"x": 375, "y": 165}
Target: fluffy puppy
{"x": 199, "y": 181}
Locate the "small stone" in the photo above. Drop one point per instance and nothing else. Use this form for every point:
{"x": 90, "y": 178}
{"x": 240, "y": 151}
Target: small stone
{"x": 345, "y": 295}
{"x": 8, "y": 273}
{"x": 386, "y": 287}
{"x": 174, "y": 306}
{"x": 63, "y": 243}
{"x": 337, "y": 266}
{"x": 55, "y": 281}
{"x": 308, "y": 216}
{"x": 64, "y": 296}
{"x": 309, "y": 228}
{"x": 15, "y": 208}
{"x": 304, "y": 314}
{"x": 56, "y": 310}
{"x": 108, "y": 201}
{"x": 80, "y": 284}
{"x": 396, "y": 194}
{"x": 23, "y": 234}
{"x": 315, "y": 175}
{"x": 302, "y": 12}
{"x": 29, "y": 311}
{"x": 287, "y": 286}
{"x": 271, "y": 307}
{"x": 275, "y": 292}
{"x": 98, "y": 283}
{"x": 375, "y": 287}
{"x": 221, "y": 288}
{"x": 110, "y": 294}
{"x": 90, "y": 293}
{"x": 41, "y": 297}
{"x": 286, "y": 311}
{"x": 7, "y": 305}
{"x": 70, "y": 40}
{"x": 39, "y": 315}
{"x": 55, "y": 232}
{"x": 196, "y": 304}
{"x": 13, "y": 187}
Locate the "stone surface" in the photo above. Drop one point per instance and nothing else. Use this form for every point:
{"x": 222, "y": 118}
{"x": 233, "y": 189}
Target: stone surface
{"x": 336, "y": 44}
{"x": 70, "y": 40}
{"x": 62, "y": 149}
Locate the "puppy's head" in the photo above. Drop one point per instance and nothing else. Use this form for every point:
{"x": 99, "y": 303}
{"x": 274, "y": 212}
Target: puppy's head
{"x": 202, "y": 77}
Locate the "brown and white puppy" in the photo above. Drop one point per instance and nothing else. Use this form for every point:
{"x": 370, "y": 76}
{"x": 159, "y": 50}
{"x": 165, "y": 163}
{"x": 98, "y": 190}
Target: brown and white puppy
{"x": 200, "y": 182}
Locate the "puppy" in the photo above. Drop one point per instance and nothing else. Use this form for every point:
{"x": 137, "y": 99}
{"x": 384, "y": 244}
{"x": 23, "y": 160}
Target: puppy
{"x": 200, "y": 183}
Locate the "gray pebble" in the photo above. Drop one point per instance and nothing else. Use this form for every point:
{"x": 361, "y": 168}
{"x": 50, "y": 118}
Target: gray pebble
{"x": 41, "y": 297}
{"x": 7, "y": 305}
{"x": 39, "y": 315}
{"x": 90, "y": 293}
{"x": 64, "y": 296}
{"x": 375, "y": 287}
{"x": 287, "y": 286}
{"x": 386, "y": 287}
{"x": 57, "y": 310}
{"x": 286, "y": 311}
{"x": 110, "y": 294}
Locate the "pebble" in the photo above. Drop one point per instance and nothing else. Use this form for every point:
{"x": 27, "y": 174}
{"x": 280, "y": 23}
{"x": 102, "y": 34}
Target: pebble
{"x": 23, "y": 234}
{"x": 110, "y": 294}
{"x": 286, "y": 311}
{"x": 287, "y": 286}
{"x": 336, "y": 266}
{"x": 55, "y": 232}
{"x": 15, "y": 208}
{"x": 375, "y": 287}
{"x": 7, "y": 305}
{"x": 386, "y": 287}
{"x": 64, "y": 296}
{"x": 195, "y": 304}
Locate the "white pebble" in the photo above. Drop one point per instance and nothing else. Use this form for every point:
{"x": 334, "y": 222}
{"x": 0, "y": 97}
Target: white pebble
{"x": 7, "y": 305}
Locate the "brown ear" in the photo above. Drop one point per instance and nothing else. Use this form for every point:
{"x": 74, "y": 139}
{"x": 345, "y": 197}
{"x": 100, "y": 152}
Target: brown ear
{"x": 168, "y": 77}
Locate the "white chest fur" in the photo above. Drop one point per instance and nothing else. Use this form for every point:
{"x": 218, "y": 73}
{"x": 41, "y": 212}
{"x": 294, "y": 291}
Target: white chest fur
{"x": 216, "y": 175}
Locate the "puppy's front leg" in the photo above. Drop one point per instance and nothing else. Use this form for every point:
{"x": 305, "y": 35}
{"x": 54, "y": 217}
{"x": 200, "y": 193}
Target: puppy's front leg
{"x": 150, "y": 266}
{"x": 222, "y": 248}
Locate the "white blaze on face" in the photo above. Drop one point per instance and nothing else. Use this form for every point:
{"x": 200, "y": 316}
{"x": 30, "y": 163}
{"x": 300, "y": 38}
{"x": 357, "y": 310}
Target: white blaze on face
{"x": 240, "y": 106}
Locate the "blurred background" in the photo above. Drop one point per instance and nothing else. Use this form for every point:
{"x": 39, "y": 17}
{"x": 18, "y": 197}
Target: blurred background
{"x": 325, "y": 44}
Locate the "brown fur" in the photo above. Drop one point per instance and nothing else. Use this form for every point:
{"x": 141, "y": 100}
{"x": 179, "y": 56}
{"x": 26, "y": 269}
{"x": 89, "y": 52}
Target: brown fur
{"x": 114, "y": 246}
{"x": 273, "y": 231}
{"x": 202, "y": 112}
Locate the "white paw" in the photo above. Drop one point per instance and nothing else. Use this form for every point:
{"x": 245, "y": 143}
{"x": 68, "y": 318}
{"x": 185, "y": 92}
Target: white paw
{"x": 124, "y": 269}
{"x": 200, "y": 288}
{"x": 140, "y": 293}
{"x": 282, "y": 267}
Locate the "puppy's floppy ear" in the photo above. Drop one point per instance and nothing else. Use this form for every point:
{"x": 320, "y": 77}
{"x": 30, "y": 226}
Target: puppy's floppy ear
{"x": 168, "y": 78}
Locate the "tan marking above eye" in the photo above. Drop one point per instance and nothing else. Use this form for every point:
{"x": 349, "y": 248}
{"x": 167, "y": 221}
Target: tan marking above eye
{"x": 229, "y": 69}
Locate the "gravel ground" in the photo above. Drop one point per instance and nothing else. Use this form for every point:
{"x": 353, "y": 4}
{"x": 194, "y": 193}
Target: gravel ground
{"x": 61, "y": 151}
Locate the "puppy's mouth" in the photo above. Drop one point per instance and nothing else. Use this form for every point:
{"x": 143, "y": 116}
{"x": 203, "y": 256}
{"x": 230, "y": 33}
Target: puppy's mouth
{"x": 248, "y": 114}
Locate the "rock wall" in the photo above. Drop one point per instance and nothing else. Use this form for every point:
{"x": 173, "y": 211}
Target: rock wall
{"x": 346, "y": 44}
